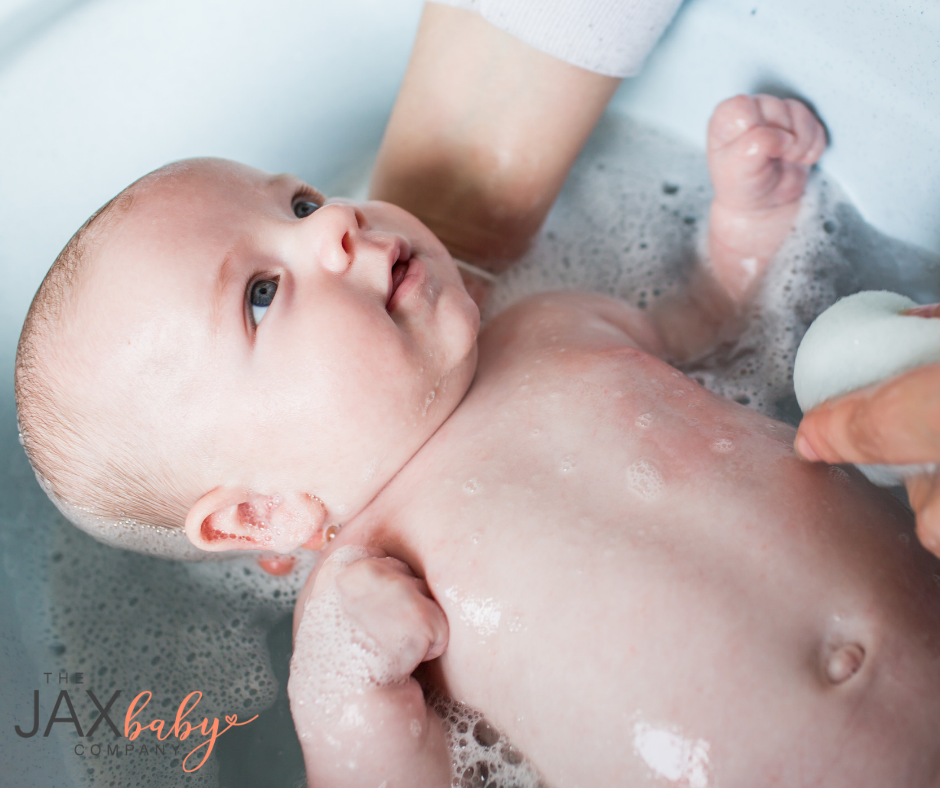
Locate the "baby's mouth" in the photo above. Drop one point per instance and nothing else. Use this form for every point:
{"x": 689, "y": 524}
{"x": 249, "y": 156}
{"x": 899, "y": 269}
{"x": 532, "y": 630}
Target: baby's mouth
{"x": 399, "y": 271}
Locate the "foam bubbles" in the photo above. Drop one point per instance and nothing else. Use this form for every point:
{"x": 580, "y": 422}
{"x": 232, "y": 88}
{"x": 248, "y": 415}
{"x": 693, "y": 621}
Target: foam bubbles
{"x": 630, "y": 223}
{"x": 132, "y": 622}
{"x": 480, "y": 754}
{"x": 722, "y": 446}
{"x": 645, "y": 480}
{"x": 644, "y": 420}
{"x": 671, "y": 756}
{"x": 334, "y": 658}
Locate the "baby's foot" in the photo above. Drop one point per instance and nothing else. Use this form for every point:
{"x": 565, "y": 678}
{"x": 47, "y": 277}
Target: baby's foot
{"x": 760, "y": 150}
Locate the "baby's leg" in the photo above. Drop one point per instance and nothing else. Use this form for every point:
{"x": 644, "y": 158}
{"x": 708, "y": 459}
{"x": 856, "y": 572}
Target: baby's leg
{"x": 760, "y": 150}
{"x": 365, "y": 623}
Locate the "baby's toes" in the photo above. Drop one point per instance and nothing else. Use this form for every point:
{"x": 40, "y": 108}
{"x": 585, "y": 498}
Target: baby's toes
{"x": 732, "y": 118}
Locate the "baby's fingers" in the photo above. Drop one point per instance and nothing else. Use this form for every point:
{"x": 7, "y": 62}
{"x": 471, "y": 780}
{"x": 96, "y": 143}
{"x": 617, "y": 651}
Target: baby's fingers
{"x": 395, "y": 608}
{"x": 896, "y": 422}
{"x": 809, "y": 134}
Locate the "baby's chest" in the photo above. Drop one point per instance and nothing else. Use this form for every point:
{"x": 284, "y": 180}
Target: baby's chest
{"x": 612, "y": 447}
{"x": 582, "y": 418}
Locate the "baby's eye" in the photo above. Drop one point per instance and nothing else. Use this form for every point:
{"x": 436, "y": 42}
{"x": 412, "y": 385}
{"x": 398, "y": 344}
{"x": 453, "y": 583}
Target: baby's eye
{"x": 303, "y": 208}
{"x": 260, "y": 297}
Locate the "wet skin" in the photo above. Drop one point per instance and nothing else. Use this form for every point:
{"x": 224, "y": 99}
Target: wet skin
{"x": 782, "y": 613}
{"x": 622, "y": 555}
{"x": 616, "y": 550}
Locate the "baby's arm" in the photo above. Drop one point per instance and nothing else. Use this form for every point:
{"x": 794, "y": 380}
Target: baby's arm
{"x": 760, "y": 151}
{"x": 366, "y": 624}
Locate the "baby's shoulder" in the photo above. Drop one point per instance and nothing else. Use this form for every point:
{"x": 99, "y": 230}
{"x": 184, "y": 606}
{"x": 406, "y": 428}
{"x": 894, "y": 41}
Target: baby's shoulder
{"x": 565, "y": 328}
{"x": 573, "y": 321}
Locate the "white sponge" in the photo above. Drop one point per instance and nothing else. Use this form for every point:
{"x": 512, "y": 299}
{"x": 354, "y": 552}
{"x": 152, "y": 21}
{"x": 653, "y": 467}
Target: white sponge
{"x": 861, "y": 340}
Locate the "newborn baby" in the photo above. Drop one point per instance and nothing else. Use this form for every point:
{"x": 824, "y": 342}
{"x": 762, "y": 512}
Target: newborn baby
{"x": 634, "y": 579}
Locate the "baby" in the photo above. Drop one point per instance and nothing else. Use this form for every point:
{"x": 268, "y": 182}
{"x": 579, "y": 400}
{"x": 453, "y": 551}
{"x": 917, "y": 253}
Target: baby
{"x": 636, "y": 580}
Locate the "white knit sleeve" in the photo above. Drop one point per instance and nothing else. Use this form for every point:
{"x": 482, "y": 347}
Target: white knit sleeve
{"x": 610, "y": 37}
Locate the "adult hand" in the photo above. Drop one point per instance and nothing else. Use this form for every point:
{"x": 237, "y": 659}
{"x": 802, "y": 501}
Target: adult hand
{"x": 894, "y": 422}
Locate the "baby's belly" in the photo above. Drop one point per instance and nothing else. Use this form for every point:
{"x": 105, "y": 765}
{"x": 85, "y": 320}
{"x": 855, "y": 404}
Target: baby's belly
{"x": 643, "y": 583}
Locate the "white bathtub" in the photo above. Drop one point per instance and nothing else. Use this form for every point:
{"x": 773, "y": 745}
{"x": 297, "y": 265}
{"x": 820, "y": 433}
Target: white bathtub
{"x": 93, "y": 93}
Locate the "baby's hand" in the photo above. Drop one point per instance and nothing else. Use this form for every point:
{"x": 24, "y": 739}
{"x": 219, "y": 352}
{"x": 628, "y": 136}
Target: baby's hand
{"x": 366, "y": 624}
{"x": 760, "y": 150}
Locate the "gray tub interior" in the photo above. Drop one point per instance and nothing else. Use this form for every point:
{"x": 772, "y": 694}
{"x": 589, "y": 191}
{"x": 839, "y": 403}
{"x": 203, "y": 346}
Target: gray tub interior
{"x": 93, "y": 93}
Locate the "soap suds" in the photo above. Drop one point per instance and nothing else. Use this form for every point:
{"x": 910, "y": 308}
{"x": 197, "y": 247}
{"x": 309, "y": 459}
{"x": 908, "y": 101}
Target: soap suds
{"x": 645, "y": 480}
{"x": 671, "y": 756}
{"x": 480, "y": 754}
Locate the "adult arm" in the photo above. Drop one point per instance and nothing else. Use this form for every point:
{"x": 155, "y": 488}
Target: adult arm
{"x": 483, "y": 134}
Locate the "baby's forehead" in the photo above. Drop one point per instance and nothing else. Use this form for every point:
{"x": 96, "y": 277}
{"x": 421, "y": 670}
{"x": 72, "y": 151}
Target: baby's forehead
{"x": 190, "y": 186}
{"x": 155, "y": 270}
{"x": 190, "y": 206}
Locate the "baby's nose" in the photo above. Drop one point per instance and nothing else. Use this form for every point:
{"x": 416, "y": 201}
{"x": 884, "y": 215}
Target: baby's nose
{"x": 335, "y": 229}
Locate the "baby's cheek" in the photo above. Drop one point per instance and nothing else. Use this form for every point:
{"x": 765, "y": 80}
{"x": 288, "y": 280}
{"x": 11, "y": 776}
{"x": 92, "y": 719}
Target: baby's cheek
{"x": 459, "y": 324}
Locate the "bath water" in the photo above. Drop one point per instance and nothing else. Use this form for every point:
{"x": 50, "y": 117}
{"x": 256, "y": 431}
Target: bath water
{"x": 629, "y": 223}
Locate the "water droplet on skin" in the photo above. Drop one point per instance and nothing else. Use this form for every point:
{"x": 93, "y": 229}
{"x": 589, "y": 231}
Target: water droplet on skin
{"x": 428, "y": 400}
{"x": 516, "y": 625}
{"x": 645, "y": 480}
{"x": 838, "y": 474}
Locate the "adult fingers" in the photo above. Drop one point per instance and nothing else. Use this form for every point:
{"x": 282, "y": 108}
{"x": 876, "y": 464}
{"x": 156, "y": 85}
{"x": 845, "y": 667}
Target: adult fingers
{"x": 924, "y": 494}
{"x": 895, "y": 422}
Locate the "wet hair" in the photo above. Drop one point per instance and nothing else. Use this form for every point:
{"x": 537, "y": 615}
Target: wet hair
{"x": 90, "y": 470}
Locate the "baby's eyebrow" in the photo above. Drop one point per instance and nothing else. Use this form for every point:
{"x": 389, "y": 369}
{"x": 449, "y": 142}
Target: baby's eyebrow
{"x": 283, "y": 177}
{"x": 228, "y": 272}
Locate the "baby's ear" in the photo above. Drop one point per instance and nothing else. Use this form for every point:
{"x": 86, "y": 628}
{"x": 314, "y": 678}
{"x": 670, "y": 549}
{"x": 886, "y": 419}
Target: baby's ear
{"x": 229, "y": 518}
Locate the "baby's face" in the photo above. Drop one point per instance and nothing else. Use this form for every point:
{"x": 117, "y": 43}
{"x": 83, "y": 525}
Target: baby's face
{"x": 310, "y": 349}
